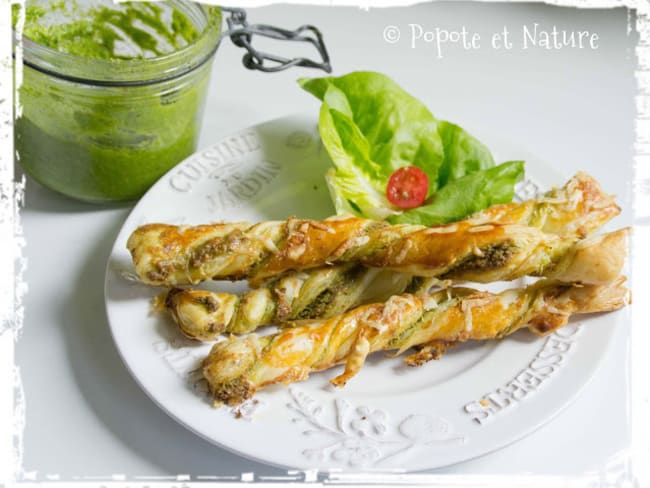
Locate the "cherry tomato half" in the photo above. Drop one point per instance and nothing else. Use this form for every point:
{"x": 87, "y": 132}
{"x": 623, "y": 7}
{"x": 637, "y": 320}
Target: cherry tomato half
{"x": 407, "y": 187}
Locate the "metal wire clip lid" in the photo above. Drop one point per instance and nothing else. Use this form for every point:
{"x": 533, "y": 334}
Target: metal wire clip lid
{"x": 241, "y": 33}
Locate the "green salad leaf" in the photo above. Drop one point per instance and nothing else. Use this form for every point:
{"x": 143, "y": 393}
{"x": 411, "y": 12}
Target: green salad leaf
{"x": 371, "y": 127}
{"x": 463, "y": 153}
{"x": 466, "y": 195}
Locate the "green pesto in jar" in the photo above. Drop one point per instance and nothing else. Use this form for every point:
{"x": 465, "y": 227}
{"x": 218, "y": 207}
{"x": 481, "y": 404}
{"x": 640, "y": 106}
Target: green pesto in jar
{"x": 104, "y": 143}
{"x": 130, "y": 31}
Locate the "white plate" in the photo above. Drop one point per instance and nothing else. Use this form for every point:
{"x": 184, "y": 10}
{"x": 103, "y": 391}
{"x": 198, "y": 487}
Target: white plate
{"x": 389, "y": 417}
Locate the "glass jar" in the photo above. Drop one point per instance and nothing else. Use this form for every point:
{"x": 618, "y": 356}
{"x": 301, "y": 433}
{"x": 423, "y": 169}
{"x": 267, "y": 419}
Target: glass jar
{"x": 106, "y": 129}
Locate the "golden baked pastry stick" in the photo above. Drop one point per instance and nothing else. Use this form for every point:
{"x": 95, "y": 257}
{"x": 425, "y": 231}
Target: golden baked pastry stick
{"x": 319, "y": 293}
{"x": 577, "y": 208}
{"x": 170, "y": 255}
{"x": 329, "y": 291}
{"x": 239, "y": 366}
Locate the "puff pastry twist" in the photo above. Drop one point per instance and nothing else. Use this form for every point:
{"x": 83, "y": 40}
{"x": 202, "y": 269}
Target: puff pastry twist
{"x": 239, "y": 366}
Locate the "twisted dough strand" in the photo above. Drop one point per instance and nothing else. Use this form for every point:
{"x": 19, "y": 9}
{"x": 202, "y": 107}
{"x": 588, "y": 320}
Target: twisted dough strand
{"x": 170, "y": 255}
{"x": 329, "y": 291}
{"x": 237, "y": 367}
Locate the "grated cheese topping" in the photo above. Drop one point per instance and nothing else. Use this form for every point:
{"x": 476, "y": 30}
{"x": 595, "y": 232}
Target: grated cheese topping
{"x": 575, "y": 199}
{"x": 292, "y": 286}
{"x": 270, "y": 245}
{"x": 429, "y": 303}
{"x": 296, "y": 251}
{"x": 466, "y": 307}
{"x": 553, "y": 200}
{"x": 481, "y": 228}
{"x": 602, "y": 204}
{"x": 477, "y": 251}
{"x": 446, "y": 229}
{"x": 403, "y": 251}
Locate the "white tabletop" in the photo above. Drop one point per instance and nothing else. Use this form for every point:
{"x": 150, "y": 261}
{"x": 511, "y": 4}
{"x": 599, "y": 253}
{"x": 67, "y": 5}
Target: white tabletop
{"x": 85, "y": 415}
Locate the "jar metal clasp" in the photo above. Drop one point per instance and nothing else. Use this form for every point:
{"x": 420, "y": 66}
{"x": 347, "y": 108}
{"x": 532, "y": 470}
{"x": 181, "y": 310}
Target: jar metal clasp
{"x": 241, "y": 33}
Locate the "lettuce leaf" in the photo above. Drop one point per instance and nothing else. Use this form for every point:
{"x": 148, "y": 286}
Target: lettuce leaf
{"x": 371, "y": 127}
{"x": 355, "y": 186}
{"x": 397, "y": 129}
{"x": 466, "y": 195}
{"x": 463, "y": 153}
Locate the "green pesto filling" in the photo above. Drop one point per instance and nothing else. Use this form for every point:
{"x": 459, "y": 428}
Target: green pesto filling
{"x": 318, "y": 307}
{"x": 401, "y": 338}
{"x": 334, "y": 299}
{"x": 415, "y": 284}
{"x": 492, "y": 257}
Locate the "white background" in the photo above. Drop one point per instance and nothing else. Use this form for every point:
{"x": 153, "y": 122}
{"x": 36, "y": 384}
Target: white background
{"x": 573, "y": 108}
